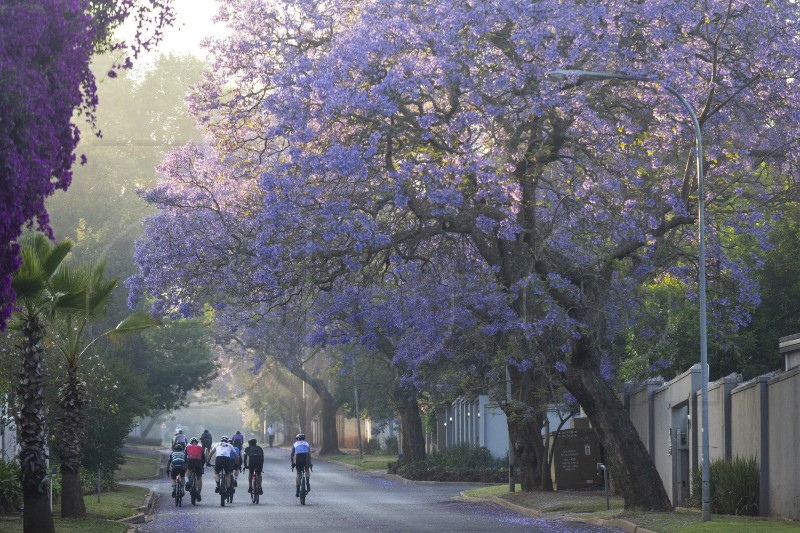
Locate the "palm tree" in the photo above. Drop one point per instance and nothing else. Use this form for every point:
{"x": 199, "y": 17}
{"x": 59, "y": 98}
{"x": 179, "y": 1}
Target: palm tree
{"x": 91, "y": 294}
{"x": 36, "y": 298}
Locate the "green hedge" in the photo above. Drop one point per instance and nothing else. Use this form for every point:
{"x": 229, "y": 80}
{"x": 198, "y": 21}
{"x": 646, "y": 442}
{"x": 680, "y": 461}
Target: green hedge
{"x": 459, "y": 463}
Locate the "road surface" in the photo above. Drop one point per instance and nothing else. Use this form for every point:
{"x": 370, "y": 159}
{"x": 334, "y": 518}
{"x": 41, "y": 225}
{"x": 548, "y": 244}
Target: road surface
{"x": 341, "y": 500}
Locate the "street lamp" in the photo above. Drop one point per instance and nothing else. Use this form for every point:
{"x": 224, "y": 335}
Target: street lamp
{"x": 592, "y": 75}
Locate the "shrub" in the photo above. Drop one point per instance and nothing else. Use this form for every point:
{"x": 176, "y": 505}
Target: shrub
{"x": 391, "y": 445}
{"x": 89, "y": 481}
{"x": 459, "y": 463}
{"x": 10, "y": 487}
{"x": 373, "y": 446}
{"x": 734, "y": 487}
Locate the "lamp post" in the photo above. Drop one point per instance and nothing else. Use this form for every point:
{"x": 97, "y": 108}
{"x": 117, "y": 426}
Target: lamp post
{"x": 592, "y": 75}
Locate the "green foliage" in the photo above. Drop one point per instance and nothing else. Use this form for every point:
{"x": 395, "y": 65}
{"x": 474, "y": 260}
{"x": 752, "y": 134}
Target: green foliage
{"x": 353, "y": 367}
{"x": 373, "y": 446}
{"x": 734, "y": 487}
{"x": 465, "y": 456}
{"x": 173, "y": 359}
{"x": 391, "y": 445}
{"x": 459, "y": 463}
{"x": 429, "y": 420}
{"x": 89, "y": 481}
{"x": 116, "y": 401}
{"x": 673, "y": 318}
{"x": 10, "y": 488}
{"x": 779, "y": 312}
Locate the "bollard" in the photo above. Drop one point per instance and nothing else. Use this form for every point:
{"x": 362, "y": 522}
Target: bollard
{"x": 601, "y": 466}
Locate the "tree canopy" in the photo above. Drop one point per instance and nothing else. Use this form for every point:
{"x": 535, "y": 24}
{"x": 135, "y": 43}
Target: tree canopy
{"x": 363, "y": 137}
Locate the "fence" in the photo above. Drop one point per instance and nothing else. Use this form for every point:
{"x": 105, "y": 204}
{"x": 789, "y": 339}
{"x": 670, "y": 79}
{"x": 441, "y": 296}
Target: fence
{"x": 759, "y": 418}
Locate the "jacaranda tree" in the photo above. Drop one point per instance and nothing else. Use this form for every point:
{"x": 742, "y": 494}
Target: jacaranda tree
{"x": 375, "y": 129}
{"x": 45, "y": 80}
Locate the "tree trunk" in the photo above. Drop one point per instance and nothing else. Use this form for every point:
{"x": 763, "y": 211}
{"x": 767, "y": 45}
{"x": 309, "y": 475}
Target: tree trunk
{"x": 31, "y": 433}
{"x": 629, "y": 462}
{"x": 72, "y": 402}
{"x": 528, "y": 446}
{"x": 153, "y": 419}
{"x": 72, "y": 504}
{"x": 525, "y": 421}
{"x": 525, "y": 457}
{"x": 330, "y": 435}
{"x": 413, "y": 434}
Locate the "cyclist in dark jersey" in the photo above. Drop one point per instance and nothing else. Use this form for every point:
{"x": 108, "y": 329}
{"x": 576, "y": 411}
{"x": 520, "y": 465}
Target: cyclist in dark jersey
{"x": 253, "y": 459}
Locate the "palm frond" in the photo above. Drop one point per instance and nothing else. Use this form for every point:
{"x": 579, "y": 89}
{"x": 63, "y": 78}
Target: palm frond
{"x": 133, "y": 323}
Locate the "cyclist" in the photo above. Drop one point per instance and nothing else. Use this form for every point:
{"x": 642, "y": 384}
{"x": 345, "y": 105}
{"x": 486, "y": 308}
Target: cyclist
{"x": 206, "y": 440}
{"x": 301, "y": 458}
{"x": 176, "y": 466}
{"x": 254, "y": 460}
{"x": 197, "y": 458}
{"x": 226, "y": 457}
{"x": 238, "y": 442}
{"x": 179, "y": 438}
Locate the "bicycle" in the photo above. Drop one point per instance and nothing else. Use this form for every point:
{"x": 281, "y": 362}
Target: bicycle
{"x": 303, "y": 485}
{"x": 179, "y": 492}
{"x": 255, "y": 485}
{"x": 226, "y": 488}
{"x": 192, "y": 484}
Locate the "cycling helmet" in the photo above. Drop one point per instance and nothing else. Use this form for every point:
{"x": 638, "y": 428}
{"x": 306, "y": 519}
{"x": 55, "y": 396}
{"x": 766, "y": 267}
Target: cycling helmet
{"x": 180, "y": 431}
{"x": 224, "y": 439}
{"x": 301, "y": 436}
{"x": 194, "y": 440}
{"x": 179, "y": 447}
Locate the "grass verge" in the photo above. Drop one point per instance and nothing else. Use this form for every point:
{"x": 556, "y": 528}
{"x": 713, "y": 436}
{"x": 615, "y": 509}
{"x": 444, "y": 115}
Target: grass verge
{"x": 592, "y": 504}
{"x": 112, "y": 506}
{"x": 369, "y": 462}
{"x": 682, "y": 521}
{"x": 139, "y": 465}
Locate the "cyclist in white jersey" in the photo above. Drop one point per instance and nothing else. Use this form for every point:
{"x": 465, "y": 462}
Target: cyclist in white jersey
{"x": 301, "y": 458}
{"x": 226, "y": 456}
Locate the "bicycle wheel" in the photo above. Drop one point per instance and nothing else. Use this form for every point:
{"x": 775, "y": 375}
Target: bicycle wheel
{"x": 222, "y": 495}
{"x": 192, "y": 488}
{"x": 303, "y": 489}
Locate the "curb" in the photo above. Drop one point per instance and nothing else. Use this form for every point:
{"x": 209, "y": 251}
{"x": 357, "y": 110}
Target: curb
{"x": 533, "y": 513}
{"x": 144, "y": 511}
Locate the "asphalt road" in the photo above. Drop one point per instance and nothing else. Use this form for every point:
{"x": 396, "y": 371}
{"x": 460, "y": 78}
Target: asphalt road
{"x": 341, "y": 500}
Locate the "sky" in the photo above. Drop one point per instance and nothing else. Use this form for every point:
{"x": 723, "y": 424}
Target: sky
{"x": 193, "y": 23}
